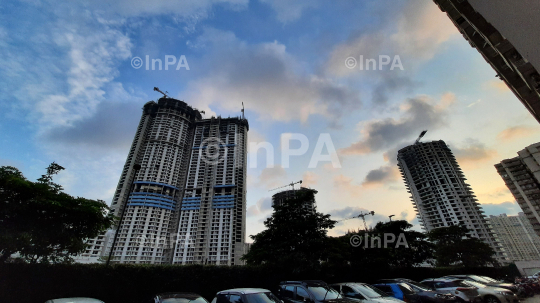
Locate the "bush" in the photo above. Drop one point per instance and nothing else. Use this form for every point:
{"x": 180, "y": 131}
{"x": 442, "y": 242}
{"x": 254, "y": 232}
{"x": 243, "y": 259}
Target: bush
{"x": 20, "y": 283}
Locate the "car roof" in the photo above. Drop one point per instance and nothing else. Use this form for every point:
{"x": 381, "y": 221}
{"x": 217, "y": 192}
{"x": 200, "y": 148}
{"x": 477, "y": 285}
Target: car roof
{"x": 187, "y": 295}
{"x": 75, "y": 300}
{"x": 345, "y": 283}
{"x": 244, "y": 291}
{"x": 305, "y": 282}
{"x": 395, "y": 280}
{"x": 443, "y": 279}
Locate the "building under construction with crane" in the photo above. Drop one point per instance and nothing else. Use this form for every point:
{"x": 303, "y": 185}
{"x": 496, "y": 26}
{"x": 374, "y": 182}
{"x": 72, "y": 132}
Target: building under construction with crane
{"x": 439, "y": 193}
{"x": 286, "y": 194}
{"x": 185, "y": 203}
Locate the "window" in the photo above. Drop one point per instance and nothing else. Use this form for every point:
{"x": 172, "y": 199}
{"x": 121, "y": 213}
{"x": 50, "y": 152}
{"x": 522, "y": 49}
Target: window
{"x": 235, "y": 299}
{"x": 302, "y": 294}
{"x": 288, "y": 291}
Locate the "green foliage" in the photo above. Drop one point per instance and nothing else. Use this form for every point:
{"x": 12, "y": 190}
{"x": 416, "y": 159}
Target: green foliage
{"x": 42, "y": 223}
{"x": 295, "y": 236}
{"x": 396, "y": 254}
{"x": 454, "y": 247}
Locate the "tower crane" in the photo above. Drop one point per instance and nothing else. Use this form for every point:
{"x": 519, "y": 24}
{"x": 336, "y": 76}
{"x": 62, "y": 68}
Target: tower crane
{"x": 156, "y": 89}
{"x": 361, "y": 215}
{"x": 420, "y": 137}
{"x": 290, "y": 184}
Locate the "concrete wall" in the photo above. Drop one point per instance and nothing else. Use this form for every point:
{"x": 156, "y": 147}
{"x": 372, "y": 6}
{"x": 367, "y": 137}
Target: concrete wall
{"x": 518, "y": 21}
{"x": 528, "y": 268}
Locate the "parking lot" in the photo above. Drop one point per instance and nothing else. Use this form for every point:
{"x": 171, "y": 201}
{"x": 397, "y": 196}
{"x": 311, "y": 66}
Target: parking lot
{"x": 535, "y": 299}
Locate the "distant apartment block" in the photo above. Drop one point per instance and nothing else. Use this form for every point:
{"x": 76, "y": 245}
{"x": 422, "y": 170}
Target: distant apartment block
{"x": 187, "y": 202}
{"x": 282, "y": 197}
{"x": 522, "y": 177}
{"x": 517, "y": 237}
{"x": 506, "y": 34}
{"x": 439, "y": 193}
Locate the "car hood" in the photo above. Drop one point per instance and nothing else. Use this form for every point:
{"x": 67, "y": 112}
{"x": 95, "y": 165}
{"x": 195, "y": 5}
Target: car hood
{"x": 502, "y": 285}
{"x": 342, "y": 300}
{"x": 75, "y": 300}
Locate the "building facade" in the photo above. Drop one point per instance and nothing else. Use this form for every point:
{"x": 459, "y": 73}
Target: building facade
{"x": 505, "y": 34}
{"x": 189, "y": 191}
{"x": 281, "y": 197}
{"x": 517, "y": 236}
{"x": 522, "y": 177}
{"x": 439, "y": 193}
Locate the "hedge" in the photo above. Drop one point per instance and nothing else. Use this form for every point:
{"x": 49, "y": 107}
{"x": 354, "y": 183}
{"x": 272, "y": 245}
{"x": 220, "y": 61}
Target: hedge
{"x": 20, "y": 283}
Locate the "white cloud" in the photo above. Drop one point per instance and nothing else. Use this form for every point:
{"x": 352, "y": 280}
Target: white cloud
{"x": 267, "y": 79}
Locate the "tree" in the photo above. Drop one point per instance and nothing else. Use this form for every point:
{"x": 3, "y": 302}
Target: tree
{"x": 295, "y": 236}
{"x": 404, "y": 247}
{"x": 42, "y": 223}
{"x": 454, "y": 247}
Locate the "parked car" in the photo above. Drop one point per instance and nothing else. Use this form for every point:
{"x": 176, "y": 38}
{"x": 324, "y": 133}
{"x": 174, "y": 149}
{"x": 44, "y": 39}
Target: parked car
{"x": 401, "y": 291}
{"x": 74, "y": 300}
{"x": 494, "y": 294}
{"x": 462, "y": 291}
{"x": 364, "y": 292}
{"x": 309, "y": 292}
{"x": 178, "y": 297}
{"x": 534, "y": 276}
{"x": 246, "y": 295}
{"x": 426, "y": 294}
{"x": 479, "y": 279}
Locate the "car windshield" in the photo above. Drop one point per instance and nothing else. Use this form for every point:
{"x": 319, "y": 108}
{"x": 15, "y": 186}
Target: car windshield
{"x": 323, "y": 293}
{"x": 263, "y": 297}
{"x": 183, "y": 300}
{"x": 418, "y": 286}
{"x": 475, "y": 284}
{"x": 370, "y": 291}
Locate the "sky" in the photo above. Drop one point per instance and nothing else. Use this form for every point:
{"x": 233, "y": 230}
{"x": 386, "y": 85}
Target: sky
{"x": 74, "y": 77}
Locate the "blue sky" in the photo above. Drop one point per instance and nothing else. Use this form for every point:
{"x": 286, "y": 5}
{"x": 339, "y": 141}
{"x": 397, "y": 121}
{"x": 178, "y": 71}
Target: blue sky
{"x": 69, "y": 93}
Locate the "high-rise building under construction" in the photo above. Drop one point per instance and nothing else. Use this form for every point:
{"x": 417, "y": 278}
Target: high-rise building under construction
{"x": 186, "y": 202}
{"x": 439, "y": 193}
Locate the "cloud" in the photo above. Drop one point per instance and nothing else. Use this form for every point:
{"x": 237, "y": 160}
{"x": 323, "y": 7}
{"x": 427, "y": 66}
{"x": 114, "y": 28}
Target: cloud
{"x": 161, "y": 7}
{"x": 267, "y": 79}
{"x": 509, "y": 208}
{"x": 271, "y": 177}
{"x": 415, "y": 33}
{"x": 350, "y": 212}
{"x": 344, "y": 184}
{"x": 112, "y": 126}
{"x": 516, "y": 132}
{"x": 263, "y": 206}
{"x": 309, "y": 179}
{"x": 381, "y": 175}
{"x": 287, "y": 10}
{"x": 473, "y": 152}
{"x": 498, "y": 85}
{"x": 418, "y": 114}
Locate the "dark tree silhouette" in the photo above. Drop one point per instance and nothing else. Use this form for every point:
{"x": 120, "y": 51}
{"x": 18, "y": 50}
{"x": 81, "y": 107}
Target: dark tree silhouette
{"x": 43, "y": 224}
{"x": 454, "y": 247}
{"x": 295, "y": 236}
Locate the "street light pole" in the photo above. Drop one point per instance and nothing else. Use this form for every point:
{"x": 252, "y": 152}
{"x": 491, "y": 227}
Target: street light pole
{"x": 391, "y": 217}
{"x": 136, "y": 167}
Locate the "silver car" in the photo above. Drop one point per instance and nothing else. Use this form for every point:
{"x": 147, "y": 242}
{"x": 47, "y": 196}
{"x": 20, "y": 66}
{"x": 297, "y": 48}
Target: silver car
{"x": 75, "y": 300}
{"x": 364, "y": 292}
{"x": 494, "y": 294}
{"x": 462, "y": 291}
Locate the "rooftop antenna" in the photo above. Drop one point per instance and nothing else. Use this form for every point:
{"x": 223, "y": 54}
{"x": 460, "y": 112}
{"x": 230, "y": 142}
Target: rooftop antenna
{"x": 243, "y": 111}
{"x": 420, "y": 137}
{"x": 361, "y": 215}
{"x": 156, "y": 89}
{"x": 290, "y": 184}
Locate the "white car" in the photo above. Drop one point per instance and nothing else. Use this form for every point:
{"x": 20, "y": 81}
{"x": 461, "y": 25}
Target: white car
{"x": 457, "y": 287}
{"x": 364, "y": 292}
{"x": 75, "y": 300}
{"x": 535, "y": 276}
{"x": 494, "y": 294}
